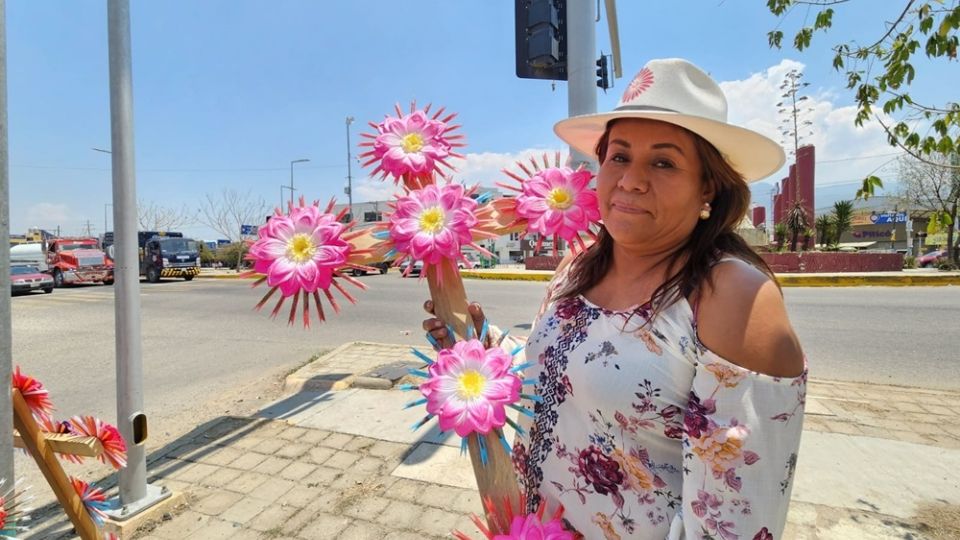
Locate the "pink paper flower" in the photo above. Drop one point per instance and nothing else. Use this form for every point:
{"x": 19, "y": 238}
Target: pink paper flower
{"x": 301, "y": 254}
{"x": 555, "y": 202}
{"x": 412, "y": 147}
{"x": 52, "y": 426}
{"x": 433, "y": 223}
{"x": 34, "y": 393}
{"x": 532, "y": 526}
{"x": 114, "y": 448}
{"x": 469, "y": 388}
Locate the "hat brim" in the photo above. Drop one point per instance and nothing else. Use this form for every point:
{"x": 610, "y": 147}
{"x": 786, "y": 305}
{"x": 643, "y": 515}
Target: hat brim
{"x": 749, "y": 153}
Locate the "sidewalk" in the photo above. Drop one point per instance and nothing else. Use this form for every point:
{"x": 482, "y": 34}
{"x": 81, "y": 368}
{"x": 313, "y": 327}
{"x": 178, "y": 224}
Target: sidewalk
{"x": 910, "y": 277}
{"x": 337, "y": 459}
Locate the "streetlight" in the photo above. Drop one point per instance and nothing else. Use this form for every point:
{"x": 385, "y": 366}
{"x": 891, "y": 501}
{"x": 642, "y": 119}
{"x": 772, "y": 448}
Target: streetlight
{"x": 349, "y": 178}
{"x": 283, "y": 187}
{"x": 105, "y": 205}
{"x": 303, "y": 160}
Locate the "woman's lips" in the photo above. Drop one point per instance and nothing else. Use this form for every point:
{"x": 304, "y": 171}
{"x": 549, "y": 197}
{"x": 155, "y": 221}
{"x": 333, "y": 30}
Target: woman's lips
{"x": 628, "y": 208}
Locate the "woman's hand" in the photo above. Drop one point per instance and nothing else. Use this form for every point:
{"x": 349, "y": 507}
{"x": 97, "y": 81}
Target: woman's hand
{"x": 437, "y": 328}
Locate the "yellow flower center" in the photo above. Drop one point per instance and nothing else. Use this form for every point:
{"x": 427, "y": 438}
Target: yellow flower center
{"x": 412, "y": 142}
{"x": 559, "y": 199}
{"x": 431, "y": 220}
{"x": 472, "y": 384}
{"x": 301, "y": 248}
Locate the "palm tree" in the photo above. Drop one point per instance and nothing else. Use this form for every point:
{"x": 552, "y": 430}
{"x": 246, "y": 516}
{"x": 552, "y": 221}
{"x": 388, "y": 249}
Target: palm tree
{"x": 780, "y": 235}
{"x": 824, "y": 225}
{"x": 870, "y": 183}
{"x": 797, "y": 222}
{"x": 842, "y": 216}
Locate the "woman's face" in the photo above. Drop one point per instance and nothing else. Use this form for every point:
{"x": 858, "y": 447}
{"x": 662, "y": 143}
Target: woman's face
{"x": 650, "y": 185}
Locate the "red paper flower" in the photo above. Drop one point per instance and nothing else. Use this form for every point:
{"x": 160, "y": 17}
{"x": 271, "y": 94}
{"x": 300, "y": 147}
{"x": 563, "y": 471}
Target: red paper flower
{"x": 114, "y": 448}
{"x": 33, "y": 392}
{"x": 94, "y": 499}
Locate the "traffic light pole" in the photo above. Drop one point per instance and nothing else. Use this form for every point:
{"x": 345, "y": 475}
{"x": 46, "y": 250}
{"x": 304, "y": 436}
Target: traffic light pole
{"x": 6, "y": 341}
{"x": 581, "y": 71}
{"x": 131, "y": 421}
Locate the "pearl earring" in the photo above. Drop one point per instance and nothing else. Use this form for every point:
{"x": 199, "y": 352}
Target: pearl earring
{"x": 705, "y": 211}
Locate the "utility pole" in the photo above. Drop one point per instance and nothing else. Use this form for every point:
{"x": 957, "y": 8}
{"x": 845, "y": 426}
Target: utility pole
{"x": 581, "y": 72}
{"x": 303, "y": 160}
{"x": 6, "y": 341}
{"x": 349, "y": 177}
{"x": 89, "y": 228}
{"x": 135, "y": 495}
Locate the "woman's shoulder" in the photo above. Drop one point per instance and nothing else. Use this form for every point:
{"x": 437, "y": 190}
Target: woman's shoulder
{"x": 741, "y": 316}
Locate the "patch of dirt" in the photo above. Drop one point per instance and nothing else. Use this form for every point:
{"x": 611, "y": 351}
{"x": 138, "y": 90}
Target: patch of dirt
{"x": 940, "y": 521}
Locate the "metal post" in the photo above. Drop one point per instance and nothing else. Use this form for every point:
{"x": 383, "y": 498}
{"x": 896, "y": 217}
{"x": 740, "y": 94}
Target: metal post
{"x": 304, "y": 160}
{"x": 581, "y": 75}
{"x": 6, "y": 341}
{"x": 349, "y": 177}
{"x": 130, "y": 417}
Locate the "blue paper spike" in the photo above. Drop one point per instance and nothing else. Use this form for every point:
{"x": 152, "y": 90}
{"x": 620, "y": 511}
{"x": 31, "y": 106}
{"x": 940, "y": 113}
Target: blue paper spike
{"x": 484, "y": 197}
{"x": 529, "y": 381}
{"x": 419, "y": 373}
{"x": 471, "y": 331}
{"x": 503, "y": 336}
{"x": 506, "y": 445}
{"x": 532, "y": 397}
{"x": 415, "y": 403}
{"x": 484, "y": 330}
{"x": 451, "y": 333}
{"x": 422, "y": 356}
{"x": 422, "y": 421}
{"x": 463, "y": 446}
{"x": 521, "y": 410}
{"x": 406, "y": 387}
{"x": 521, "y": 367}
{"x": 516, "y": 350}
{"x": 516, "y": 427}
{"x": 483, "y": 448}
{"x": 433, "y": 341}
{"x": 390, "y": 254}
{"x": 381, "y": 235}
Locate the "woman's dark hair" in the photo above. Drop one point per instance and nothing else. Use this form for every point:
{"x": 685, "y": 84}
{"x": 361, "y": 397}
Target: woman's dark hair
{"x": 710, "y": 240}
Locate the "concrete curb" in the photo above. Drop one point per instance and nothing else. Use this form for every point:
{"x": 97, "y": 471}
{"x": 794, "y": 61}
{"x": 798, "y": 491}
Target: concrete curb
{"x": 223, "y": 276}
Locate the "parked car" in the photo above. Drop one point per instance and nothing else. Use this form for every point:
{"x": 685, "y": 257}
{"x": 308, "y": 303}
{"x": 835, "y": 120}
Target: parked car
{"x": 406, "y": 270}
{"x": 930, "y": 259}
{"x": 24, "y": 279}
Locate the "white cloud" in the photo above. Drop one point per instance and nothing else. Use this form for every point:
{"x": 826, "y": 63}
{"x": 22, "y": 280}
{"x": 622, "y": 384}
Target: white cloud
{"x": 44, "y": 214}
{"x": 845, "y": 153}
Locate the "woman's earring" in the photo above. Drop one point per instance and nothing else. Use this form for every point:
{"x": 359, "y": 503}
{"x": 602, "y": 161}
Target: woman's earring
{"x": 705, "y": 211}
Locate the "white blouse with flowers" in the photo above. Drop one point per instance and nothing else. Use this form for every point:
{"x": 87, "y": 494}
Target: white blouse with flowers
{"x": 642, "y": 432}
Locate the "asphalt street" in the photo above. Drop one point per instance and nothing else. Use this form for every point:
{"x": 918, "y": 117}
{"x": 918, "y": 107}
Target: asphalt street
{"x": 201, "y": 338}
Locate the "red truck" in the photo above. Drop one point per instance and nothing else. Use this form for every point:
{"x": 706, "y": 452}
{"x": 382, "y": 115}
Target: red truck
{"x": 78, "y": 260}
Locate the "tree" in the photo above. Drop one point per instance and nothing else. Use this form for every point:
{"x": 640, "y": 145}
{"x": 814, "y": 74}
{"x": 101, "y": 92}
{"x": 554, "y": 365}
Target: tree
{"x": 228, "y": 211}
{"x": 934, "y": 186}
{"x": 881, "y": 72}
{"x": 824, "y": 226}
{"x": 154, "y": 217}
{"x": 780, "y": 235}
{"x": 797, "y": 223}
{"x": 842, "y": 217}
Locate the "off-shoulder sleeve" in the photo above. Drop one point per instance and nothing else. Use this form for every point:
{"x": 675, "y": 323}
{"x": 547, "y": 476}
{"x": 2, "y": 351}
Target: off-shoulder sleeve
{"x": 740, "y": 441}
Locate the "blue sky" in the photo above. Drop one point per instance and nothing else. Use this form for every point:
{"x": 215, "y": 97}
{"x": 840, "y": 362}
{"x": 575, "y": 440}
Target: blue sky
{"x": 226, "y": 93}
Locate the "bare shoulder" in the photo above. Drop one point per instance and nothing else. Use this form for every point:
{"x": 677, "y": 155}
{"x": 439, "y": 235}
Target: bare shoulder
{"x": 743, "y": 319}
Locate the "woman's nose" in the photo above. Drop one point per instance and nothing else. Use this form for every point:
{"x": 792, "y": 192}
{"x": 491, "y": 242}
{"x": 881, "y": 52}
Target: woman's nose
{"x": 634, "y": 179}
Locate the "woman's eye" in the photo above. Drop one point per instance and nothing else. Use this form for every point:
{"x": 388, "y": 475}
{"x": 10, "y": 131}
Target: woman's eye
{"x": 663, "y": 164}
{"x": 619, "y": 158}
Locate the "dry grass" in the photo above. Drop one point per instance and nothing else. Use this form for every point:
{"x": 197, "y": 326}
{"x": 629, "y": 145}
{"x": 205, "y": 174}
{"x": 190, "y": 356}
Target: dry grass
{"x": 940, "y": 521}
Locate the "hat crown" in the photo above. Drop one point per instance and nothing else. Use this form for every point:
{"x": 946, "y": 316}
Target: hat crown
{"x": 675, "y": 85}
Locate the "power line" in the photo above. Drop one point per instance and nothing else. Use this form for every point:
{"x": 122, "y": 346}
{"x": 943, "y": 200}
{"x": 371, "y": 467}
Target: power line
{"x": 251, "y": 169}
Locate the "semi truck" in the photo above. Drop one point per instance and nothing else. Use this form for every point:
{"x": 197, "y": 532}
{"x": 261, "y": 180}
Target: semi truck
{"x": 165, "y": 254}
{"x": 77, "y": 260}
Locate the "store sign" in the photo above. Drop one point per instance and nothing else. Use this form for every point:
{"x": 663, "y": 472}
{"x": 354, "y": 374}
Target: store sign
{"x": 888, "y": 217}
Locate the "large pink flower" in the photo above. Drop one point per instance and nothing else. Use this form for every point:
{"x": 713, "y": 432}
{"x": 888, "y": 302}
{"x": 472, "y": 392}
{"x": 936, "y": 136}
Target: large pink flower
{"x": 432, "y": 224}
{"x": 303, "y": 252}
{"x": 508, "y": 524}
{"x": 469, "y": 388}
{"x": 530, "y": 527}
{"x": 412, "y": 147}
{"x": 555, "y": 202}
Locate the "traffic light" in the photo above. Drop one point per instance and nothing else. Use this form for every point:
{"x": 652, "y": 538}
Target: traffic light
{"x": 603, "y": 73}
{"x": 541, "y": 39}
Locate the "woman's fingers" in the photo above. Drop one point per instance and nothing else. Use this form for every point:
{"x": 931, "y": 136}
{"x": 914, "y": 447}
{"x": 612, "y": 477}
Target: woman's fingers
{"x": 428, "y": 307}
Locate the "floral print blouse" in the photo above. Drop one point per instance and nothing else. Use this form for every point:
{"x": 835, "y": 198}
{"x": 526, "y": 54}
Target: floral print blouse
{"x": 642, "y": 432}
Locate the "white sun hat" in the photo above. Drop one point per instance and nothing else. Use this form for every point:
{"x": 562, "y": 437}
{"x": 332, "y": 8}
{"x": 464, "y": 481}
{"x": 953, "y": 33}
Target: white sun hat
{"x": 677, "y": 92}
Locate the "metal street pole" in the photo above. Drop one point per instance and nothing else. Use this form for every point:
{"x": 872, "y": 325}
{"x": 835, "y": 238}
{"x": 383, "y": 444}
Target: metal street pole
{"x": 132, "y": 422}
{"x": 581, "y": 70}
{"x": 6, "y": 342}
{"x": 349, "y": 176}
{"x": 304, "y": 160}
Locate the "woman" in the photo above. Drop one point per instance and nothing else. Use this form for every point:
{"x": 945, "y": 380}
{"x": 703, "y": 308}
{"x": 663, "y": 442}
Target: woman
{"x": 672, "y": 383}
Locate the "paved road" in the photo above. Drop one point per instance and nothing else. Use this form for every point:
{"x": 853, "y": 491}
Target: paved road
{"x": 202, "y": 338}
